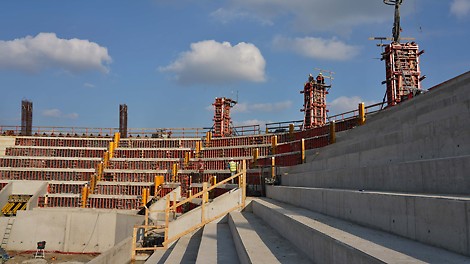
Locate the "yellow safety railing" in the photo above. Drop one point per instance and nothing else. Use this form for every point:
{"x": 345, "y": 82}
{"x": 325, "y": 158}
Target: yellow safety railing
{"x": 171, "y": 209}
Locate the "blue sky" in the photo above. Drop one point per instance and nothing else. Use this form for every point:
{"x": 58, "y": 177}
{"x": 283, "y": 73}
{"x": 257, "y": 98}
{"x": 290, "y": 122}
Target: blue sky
{"x": 168, "y": 60}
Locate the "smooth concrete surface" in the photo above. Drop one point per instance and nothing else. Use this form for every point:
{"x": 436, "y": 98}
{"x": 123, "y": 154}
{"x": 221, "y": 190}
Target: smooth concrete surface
{"x": 186, "y": 248}
{"x": 5, "y": 142}
{"x": 257, "y": 243}
{"x": 212, "y": 211}
{"x": 441, "y": 221}
{"x": 445, "y": 175}
{"x": 119, "y": 254}
{"x": 326, "y": 239}
{"x": 217, "y": 245}
{"x": 71, "y": 230}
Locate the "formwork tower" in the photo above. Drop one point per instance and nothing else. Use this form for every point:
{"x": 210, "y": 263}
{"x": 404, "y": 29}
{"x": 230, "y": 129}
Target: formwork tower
{"x": 123, "y": 120}
{"x": 222, "y": 120}
{"x": 26, "y": 117}
{"x": 314, "y": 103}
{"x": 402, "y": 64}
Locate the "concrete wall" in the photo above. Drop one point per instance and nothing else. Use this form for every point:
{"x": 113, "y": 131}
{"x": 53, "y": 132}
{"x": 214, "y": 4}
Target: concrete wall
{"x": 119, "y": 254}
{"x": 71, "y": 230}
{"x": 5, "y": 142}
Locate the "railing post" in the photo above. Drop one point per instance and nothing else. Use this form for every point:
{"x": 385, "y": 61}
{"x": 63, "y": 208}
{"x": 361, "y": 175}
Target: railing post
{"x": 167, "y": 219}
{"x": 273, "y": 169}
{"x": 243, "y": 179}
{"x": 255, "y": 156}
{"x": 303, "y": 150}
{"x": 332, "y": 132}
{"x": 362, "y": 114}
{"x": 274, "y": 144}
{"x": 204, "y": 200}
{"x": 134, "y": 242}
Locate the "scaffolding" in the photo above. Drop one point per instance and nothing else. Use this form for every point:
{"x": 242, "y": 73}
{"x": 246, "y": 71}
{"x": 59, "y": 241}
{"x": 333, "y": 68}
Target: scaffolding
{"x": 315, "y": 112}
{"x": 26, "y": 117}
{"x": 222, "y": 120}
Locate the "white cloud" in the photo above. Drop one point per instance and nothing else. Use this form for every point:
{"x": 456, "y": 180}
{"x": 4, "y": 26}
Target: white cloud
{"x": 56, "y": 113}
{"x": 46, "y": 50}
{"x": 89, "y": 85}
{"x": 267, "y": 107}
{"x": 344, "y": 104}
{"x": 317, "y": 48}
{"x": 227, "y": 15}
{"x": 460, "y": 8}
{"x": 211, "y": 62}
{"x": 315, "y": 15}
{"x": 52, "y": 113}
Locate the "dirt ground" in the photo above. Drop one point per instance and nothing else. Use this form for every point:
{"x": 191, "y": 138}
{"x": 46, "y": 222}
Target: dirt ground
{"x": 52, "y": 257}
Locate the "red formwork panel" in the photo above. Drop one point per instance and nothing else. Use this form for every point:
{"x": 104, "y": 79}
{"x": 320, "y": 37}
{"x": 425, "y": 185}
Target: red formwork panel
{"x": 246, "y": 151}
{"x": 158, "y": 143}
{"x": 241, "y": 141}
{"x": 114, "y": 203}
{"x": 45, "y": 175}
{"x": 2, "y": 185}
{"x": 63, "y": 142}
{"x": 150, "y": 153}
{"x": 75, "y": 188}
{"x": 120, "y": 189}
{"x": 22, "y": 162}
{"x": 55, "y": 152}
{"x": 112, "y": 176}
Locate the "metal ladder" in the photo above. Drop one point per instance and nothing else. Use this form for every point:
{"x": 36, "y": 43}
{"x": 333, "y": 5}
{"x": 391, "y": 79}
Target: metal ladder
{"x": 6, "y": 235}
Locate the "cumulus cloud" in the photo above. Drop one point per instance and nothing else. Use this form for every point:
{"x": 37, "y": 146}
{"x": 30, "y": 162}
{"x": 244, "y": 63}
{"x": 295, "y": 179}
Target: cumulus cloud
{"x": 316, "y": 48}
{"x": 46, "y": 50}
{"x": 460, "y": 8}
{"x": 314, "y": 15}
{"x": 260, "y": 107}
{"x": 56, "y": 113}
{"x": 212, "y": 62}
{"x": 344, "y": 104}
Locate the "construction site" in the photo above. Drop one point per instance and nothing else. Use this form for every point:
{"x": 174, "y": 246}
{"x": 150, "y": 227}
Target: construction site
{"x": 382, "y": 183}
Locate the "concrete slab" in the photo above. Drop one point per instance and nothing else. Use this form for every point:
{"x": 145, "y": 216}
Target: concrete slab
{"x": 257, "y": 243}
{"x": 186, "y": 248}
{"x": 437, "y": 220}
{"x": 330, "y": 240}
{"x": 217, "y": 245}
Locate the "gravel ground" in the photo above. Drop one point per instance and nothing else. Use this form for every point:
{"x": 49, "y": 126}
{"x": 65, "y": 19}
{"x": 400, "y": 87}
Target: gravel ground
{"x": 55, "y": 258}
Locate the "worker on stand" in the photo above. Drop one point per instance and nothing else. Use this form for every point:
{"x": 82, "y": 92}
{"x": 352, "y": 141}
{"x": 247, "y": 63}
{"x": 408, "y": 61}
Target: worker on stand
{"x": 320, "y": 79}
{"x": 232, "y": 165}
{"x": 310, "y": 78}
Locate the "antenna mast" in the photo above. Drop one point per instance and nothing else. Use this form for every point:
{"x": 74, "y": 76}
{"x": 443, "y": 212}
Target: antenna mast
{"x": 396, "y": 24}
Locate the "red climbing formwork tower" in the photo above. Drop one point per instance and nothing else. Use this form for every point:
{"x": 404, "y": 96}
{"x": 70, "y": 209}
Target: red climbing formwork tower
{"x": 315, "y": 112}
{"x": 401, "y": 63}
{"x": 402, "y": 71}
{"x": 222, "y": 120}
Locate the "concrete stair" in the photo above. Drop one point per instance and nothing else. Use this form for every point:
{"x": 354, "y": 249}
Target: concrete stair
{"x": 396, "y": 190}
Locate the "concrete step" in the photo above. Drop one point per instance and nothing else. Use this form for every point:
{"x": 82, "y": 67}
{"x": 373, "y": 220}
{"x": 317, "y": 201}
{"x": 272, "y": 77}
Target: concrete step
{"x": 326, "y": 239}
{"x": 185, "y": 249}
{"x": 160, "y": 255}
{"x": 217, "y": 245}
{"x": 437, "y": 220}
{"x": 257, "y": 243}
{"x": 444, "y": 175}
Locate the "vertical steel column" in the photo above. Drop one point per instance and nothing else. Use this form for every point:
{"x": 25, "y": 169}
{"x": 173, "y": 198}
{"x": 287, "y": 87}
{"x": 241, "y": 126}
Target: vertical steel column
{"x": 26, "y": 117}
{"x": 123, "y": 120}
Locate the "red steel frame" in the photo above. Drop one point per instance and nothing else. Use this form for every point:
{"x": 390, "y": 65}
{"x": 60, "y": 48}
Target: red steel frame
{"x": 314, "y": 105}
{"x": 402, "y": 71}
